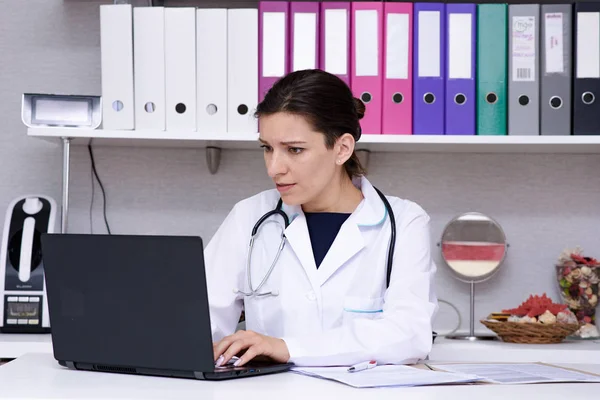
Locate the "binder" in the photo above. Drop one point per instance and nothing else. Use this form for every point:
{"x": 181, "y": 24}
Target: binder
{"x": 367, "y": 55}
{"x": 242, "y": 70}
{"x": 461, "y": 29}
{"x": 180, "y": 68}
{"x": 523, "y": 66}
{"x": 335, "y": 39}
{"x": 555, "y": 96}
{"x": 492, "y": 51}
{"x": 586, "y": 86}
{"x": 116, "y": 50}
{"x": 149, "y": 67}
{"x": 273, "y": 43}
{"x": 304, "y": 35}
{"x": 211, "y": 31}
{"x": 397, "y": 68}
{"x": 428, "y": 68}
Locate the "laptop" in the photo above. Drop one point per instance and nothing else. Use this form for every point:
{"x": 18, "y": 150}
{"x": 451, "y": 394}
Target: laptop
{"x": 133, "y": 304}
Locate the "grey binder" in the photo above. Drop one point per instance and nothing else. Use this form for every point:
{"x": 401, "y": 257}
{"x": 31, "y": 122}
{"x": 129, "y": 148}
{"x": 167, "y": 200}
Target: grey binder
{"x": 523, "y": 69}
{"x": 556, "y": 67}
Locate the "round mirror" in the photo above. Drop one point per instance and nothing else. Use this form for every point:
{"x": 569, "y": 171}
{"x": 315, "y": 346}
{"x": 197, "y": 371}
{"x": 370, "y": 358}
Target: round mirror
{"x": 473, "y": 247}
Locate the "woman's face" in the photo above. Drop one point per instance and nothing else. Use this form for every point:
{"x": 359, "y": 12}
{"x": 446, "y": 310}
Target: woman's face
{"x": 297, "y": 159}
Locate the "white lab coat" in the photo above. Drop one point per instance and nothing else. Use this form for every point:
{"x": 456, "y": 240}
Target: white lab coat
{"x": 340, "y": 313}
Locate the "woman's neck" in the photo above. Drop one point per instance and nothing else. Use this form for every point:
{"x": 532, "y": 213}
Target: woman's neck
{"x": 342, "y": 197}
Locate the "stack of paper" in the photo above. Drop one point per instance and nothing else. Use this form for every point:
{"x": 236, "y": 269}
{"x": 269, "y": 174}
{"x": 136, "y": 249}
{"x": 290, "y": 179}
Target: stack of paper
{"x": 387, "y": 375}
{"x": 508, "y": 374}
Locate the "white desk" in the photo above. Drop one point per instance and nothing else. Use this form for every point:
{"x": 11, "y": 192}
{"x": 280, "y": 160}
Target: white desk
{"x": 38, "y": 376}
{"x": 13, "y": 345}
{"x": 579, "y": 351}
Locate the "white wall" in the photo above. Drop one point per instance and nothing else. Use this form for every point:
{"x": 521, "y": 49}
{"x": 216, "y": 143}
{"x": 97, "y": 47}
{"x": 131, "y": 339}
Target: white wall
{"x": 544, "y": 202}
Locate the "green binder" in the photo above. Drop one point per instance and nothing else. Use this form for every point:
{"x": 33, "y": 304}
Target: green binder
{"x": 492, "y": 69}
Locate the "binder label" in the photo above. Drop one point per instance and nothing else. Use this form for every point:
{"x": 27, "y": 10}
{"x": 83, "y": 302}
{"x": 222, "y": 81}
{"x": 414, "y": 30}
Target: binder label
{"x": 459, "y": 46}
{"x": 273, "y": 44}
{"x": 588, "y": 45}
{"x": 429, "y": 46}
{"x": 367, "y": 43}
{"x": 397, "y": 46}
{"x": 553, "y": 24}
{"x": 305, "y": 41}
{"x": 336, "y": 41}
{"x": 523, "y": 48}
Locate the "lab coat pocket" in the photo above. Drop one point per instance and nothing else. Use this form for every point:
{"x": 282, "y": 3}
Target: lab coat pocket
{"x": 363, "y": 307}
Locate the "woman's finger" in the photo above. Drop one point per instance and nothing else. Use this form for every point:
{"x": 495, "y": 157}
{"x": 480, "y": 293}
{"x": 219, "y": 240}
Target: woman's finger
{"x": 252, "y": 352}
{"x": 236, "y": 347}
{"x": 220, "y": 347}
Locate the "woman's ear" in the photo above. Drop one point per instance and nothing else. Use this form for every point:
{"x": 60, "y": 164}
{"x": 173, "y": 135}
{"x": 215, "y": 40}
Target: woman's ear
{"x": 344, "y": 147}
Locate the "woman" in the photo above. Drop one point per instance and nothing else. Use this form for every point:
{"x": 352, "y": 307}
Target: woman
{"x": 325, "y": 301}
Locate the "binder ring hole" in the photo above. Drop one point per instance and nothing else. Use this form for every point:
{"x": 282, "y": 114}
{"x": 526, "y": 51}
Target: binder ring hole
{"x": 588, "y": 98}
{"x": 242, "y": 109}
{"x": 523, "y": 100}
{"x": 117, "y": 105}
{"x": 397, "y": 98}
{"x": 460, "y": 99}
{"x": 366, "y": 97}
{"x": 491, "y": 98}
{"x": 180, "y": 108}
{"x": 211, "y": 109}
{"x": 429, "y": 98}
{"x": 555, "y": 102}
{"x": 150, "y": 107}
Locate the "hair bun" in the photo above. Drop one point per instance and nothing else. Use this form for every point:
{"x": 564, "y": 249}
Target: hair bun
{"x": 359, "y": 106}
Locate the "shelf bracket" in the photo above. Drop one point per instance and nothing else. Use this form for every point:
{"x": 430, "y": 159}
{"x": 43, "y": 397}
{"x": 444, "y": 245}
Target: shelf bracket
{"x": 363, "y": 156}
{"x": 213, "y": 158}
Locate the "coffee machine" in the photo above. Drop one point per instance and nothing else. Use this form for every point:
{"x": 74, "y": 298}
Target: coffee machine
{"x": 24, "y": 305}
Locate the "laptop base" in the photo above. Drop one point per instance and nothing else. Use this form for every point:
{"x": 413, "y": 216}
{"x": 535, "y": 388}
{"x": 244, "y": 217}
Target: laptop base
{"x": 217, "y": 375}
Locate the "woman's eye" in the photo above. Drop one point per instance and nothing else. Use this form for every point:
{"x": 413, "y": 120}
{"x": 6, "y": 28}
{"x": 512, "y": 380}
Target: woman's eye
{"x": 266, "y": 148}
{"x": 296, "y": 150}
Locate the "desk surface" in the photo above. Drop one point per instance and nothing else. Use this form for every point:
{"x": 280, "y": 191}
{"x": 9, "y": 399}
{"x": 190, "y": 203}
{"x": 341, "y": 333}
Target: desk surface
{"x": 38, "y": 376}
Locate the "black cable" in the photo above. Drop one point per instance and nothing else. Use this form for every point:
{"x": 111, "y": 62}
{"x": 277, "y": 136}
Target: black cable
{"x": 101, "y": 186}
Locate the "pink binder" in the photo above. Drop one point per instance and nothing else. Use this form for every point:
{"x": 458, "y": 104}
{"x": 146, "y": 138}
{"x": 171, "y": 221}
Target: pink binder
{"x": 273, "y": 63}
{"x": 367, "y": 62}
{"x": 339, "y": 61}
{"x": 397, "y": 68}
{"x": 303, "y": 61}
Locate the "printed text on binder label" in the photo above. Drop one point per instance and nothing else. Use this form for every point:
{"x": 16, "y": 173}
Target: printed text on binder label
{"x": 523, "y": 48}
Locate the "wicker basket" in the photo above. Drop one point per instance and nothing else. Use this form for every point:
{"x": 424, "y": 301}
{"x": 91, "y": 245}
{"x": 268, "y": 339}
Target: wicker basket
{"x": 531, "y": 333}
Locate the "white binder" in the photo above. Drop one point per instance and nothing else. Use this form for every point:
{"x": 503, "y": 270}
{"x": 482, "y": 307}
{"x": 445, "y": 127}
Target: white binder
{"x": 116, "y": 49}
{"x": 180, "y": 68}
{"x": 149, "y": 67}
{"x": 211, "y": 58}
{"x": 242, "y": 70}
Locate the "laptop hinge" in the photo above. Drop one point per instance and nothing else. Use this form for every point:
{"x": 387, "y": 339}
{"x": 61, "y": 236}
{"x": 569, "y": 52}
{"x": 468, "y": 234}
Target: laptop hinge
{"x": 70, "y": 364}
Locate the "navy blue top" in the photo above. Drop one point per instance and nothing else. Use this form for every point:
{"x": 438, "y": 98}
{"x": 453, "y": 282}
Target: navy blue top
{"x": 323, "y": 227}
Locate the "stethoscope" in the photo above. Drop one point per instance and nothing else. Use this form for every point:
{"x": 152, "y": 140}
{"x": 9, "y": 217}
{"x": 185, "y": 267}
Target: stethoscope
{"x": 279, "y": 211}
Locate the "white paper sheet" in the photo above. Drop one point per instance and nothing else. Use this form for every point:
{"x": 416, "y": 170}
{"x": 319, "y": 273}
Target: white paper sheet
{"x": 386, "y": 375}
{"x": 510, "y": 374}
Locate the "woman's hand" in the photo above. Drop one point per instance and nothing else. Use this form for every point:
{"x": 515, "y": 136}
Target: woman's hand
{"x": 250, "y": 345}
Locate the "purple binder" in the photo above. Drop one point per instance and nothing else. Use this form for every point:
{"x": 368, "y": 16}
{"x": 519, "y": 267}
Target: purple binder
{"x": 334, "y": 5}
{"x": 460, "y": 88}
{"x": 310, "y": 7}
{"x": 428, "y": 89}
{"x": 266, "y": 82}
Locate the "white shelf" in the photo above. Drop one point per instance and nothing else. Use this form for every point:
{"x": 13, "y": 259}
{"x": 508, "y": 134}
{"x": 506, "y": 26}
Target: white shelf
{"x": 379, "y": 143}
{"x": 13, "y": 345}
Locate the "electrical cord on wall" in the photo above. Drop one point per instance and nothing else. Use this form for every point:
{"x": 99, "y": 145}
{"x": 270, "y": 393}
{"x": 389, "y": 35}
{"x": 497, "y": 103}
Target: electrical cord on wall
{"x": 95, "y": 173}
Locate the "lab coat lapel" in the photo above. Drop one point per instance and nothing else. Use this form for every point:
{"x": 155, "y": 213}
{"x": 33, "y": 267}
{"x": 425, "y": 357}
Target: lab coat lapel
{"x": 350, "y": 240}
{"x": 299, "y": 240}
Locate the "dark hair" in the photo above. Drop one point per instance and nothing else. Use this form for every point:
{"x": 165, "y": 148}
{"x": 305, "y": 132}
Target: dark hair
{"x": 325, "y": 101}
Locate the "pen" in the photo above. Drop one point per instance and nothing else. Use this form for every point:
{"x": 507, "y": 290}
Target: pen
{"x": 362, "y": 366}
